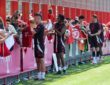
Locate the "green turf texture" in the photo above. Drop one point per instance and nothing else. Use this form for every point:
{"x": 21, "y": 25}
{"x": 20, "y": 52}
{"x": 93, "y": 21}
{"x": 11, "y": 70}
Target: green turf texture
{"x": 78, "y": 75}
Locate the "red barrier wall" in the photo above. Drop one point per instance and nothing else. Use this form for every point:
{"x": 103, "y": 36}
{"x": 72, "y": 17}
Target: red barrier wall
{"x": 25, "y": 11}
{"x": 78, "y": 12}
{"x": 35, "y": 7}
{"x": 3, "y": 9}
{"x": 14, "y": 7}
{"x": 88, "y": 18}
{"x": 73, "y": 13}
{"x": 67, "y": 12}
{"x": 54, "y": 10}
{"x": 44, "y": 9}
{"x": 60, "y": 10}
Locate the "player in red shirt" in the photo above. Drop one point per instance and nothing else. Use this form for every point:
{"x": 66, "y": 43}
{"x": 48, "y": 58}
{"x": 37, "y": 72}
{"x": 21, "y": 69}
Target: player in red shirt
{"x": 83, "y": 36}
{"x": 52, "y": 20}
{"x": 51, "y": 16}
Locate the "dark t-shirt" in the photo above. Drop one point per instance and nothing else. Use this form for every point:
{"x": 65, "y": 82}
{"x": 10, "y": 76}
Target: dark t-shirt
{"x": 94, "y": 27}
{"x": 59, "y": 27}
{"x": 39, "y": 36}
{"x": 59, "y": 42}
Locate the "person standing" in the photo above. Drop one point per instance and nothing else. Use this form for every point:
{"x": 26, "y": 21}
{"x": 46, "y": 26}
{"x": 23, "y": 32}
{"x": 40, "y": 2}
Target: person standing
{"x": 94, "y": 38}
{"x": 38, "y": 32}
{"x": 83, "y": 36}
{"x": 59, "y": 43}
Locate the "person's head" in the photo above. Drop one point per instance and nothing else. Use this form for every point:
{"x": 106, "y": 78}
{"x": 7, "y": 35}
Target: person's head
{"x": 50, "y": 11}
{"x": 38, "y": 18}
{"x": 8, "y": 22}
{"x": 75, "y": 22}
{"x": 94, "y": 18}
{"x": 60, "y": 18}
{"x": 81, "y": 18}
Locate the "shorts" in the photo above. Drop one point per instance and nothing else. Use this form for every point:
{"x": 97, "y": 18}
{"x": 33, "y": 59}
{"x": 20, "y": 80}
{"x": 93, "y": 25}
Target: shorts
{"x": 94, "y": 43}
{"x": 59, "y": 49}
{"x": 39, "y": 51}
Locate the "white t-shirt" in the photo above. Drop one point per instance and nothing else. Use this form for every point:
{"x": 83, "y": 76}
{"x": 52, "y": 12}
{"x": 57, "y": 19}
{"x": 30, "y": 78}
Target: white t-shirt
{"x": 11, "y": 29}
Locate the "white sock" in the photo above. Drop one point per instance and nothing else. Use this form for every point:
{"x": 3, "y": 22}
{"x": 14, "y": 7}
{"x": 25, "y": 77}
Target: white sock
{"x": 59, "y": 68}
{"x": 98, "y": 59}
{"x": 39, "y": 75}
{"x": 94, "y": 60}
{"x": 42, "y": 75}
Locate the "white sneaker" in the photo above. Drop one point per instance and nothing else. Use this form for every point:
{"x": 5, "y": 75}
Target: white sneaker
{"x": 94, "y": 60}
{"x": 43, "y": 76}
{"x": 98, "y": 59}
{"x": 39, "y": 75}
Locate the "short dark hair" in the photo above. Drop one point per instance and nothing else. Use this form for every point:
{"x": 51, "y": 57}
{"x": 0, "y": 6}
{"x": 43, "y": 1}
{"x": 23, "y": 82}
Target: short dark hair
{"x": 61, "y": 17}
{"x": 94, "y": 16}
{"x": 8, "y": 20}
{"x": 38, "y": 14}
{"x": 50, "y": 11}
{"x": 81, "y": 17}
{"x": 75, "y": 22}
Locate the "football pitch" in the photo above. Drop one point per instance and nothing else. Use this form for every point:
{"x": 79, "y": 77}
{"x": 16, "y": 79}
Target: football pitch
{"x": 86, "y": 74}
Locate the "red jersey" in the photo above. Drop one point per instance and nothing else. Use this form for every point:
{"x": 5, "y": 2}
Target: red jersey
{"x": 70, "y": 39}
{"x": 51, "y": 17}
{"x": 82, "y": 33}
{"x": 27, "y": 37}
{"x": 4, "y": 51}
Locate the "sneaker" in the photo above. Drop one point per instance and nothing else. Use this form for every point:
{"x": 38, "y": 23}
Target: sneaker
{"x": 94, "y": 60}
{"x": 43, "y": 79}
{"x": 36, "y": 78}
{"x": 59, "y": 72}
{"x": 98, "y": 59}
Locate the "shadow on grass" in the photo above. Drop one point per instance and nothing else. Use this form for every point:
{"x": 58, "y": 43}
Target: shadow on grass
{"x": 73, "y": 70}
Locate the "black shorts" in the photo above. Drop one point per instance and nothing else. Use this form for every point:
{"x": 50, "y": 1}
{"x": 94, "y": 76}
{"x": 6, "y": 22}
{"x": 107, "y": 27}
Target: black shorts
{"x": 59, "y": 49}
{"x": 94, "y": 43}
{"x": 39, "y": 51}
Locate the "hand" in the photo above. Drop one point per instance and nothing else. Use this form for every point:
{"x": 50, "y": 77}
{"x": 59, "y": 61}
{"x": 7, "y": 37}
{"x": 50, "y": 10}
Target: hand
{"x": 21, "y": 28}
{"x": 33, "y": 26}
{"x": 91, "y": 35}
{"x": 11, "y": 33}
{"x": 33, "y": 32}
{"x": 2, "y": 40}
{"x": 51, "y": 32}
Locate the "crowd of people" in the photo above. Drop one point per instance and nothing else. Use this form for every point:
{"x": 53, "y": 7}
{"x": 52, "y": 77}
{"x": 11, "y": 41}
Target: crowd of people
{"x": 61, "y": 30}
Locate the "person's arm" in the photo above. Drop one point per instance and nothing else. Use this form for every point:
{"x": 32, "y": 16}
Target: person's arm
{"x": 2, "y": 40}
{"x": 33, "y": 29}
{"x": 2, "y": 37}
{"x": 2, "y": 34}
{"x": 99, "y": 31}
{"x": 62, "y": 31}
{"x": 39, "y": 30}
